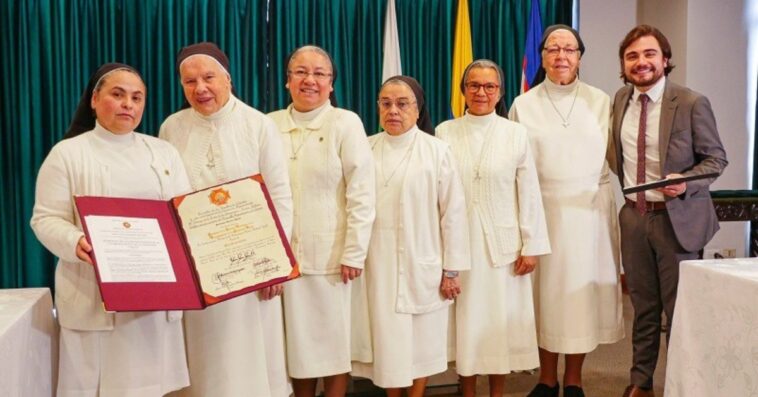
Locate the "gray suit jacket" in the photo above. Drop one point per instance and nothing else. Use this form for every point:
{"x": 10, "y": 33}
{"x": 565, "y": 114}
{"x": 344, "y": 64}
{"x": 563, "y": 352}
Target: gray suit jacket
{"x": 689, "y": 145}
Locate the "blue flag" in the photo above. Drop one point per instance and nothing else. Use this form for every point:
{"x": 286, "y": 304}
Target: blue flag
{"x": 532, "y": 59}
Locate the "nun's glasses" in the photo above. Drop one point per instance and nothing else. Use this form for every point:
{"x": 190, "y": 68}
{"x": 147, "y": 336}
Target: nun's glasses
{"x": 402, "y": 104}
{"x": 489, "y": 88}
{"x": 554, "y": 51}
{"x": 303, "y": 74}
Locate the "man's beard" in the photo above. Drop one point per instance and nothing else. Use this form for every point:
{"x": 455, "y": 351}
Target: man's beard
{"x": 638, "y": 81}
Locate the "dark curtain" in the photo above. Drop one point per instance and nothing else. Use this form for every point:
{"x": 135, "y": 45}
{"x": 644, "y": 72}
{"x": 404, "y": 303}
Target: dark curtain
{"x": 50, "y": 47}
{"x": 351, "y": 31}
{"x": 426, "y": 29}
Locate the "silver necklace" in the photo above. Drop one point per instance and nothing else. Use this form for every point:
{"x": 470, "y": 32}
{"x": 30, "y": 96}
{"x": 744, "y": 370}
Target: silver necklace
{"x": 568, "y": 115}
{"x": 487, "y": 138}
{"x": 292, "y": 144}
{"x": 400, "y": 164}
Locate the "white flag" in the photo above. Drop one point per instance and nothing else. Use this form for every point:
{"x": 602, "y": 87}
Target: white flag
{"x": 391, "y": 66}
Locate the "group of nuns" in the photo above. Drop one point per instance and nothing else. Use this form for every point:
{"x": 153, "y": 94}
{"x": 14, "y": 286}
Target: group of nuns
{"x": 488, "y": 241}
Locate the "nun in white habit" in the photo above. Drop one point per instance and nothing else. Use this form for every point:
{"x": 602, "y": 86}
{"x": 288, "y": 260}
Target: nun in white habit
{"x": 107, "y": 354}
{"x": 418, "y": 245}
{"x": 236, "y": 347}
{"x": 577, "y": 294}
{"x": 495, "y": 324}
{"x": 332, "y": 180}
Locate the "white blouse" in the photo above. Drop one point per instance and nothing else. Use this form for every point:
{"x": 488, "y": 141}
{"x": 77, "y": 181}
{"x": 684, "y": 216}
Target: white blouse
{"x": 332, "y": 179}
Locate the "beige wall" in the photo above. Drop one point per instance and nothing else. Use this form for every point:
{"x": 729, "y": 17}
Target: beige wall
{"x": 717, "y": 59}
{"x": 670, "y": 16}
{"x": 602, "y": 25}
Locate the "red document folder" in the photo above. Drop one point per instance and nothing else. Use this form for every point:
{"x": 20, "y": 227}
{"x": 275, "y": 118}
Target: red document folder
{"x": 186, "y": 292}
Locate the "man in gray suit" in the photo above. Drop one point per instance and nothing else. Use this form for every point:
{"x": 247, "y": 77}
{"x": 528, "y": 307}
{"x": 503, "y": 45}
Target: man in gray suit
{"x": 660, "y": 129}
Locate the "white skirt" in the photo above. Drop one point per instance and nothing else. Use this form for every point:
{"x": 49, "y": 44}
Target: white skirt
{"x": 577, "y": 290}
{"x": 142, "y": 356}
{"x": 495, "y": 324}
{"x": 236, "y": 348}
{"x": 317, "y": 324}
{"x": 405, "y": 346}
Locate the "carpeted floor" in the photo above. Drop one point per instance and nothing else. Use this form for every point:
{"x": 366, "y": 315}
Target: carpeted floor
{"x": 606, "y": 372}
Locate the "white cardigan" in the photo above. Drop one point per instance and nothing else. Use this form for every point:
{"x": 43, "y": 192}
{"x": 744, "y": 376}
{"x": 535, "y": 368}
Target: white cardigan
{"x": 74, "y": 168}
{"x": 432, "y": 227}
{"x": 333, "y": 177}
{"x": 510, "y": 203}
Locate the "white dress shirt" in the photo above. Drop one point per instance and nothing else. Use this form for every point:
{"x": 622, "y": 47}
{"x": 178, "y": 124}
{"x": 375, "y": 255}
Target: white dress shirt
{"x": 629, "y": 129}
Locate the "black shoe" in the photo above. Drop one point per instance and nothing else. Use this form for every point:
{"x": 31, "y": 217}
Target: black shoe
{"x": 543, "y": 390}
{"x": 573, "y": 391}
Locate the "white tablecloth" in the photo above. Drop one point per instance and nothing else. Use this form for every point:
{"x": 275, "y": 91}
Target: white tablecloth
{"x": 28, "y": 343}
{"x": 714, "y": 338}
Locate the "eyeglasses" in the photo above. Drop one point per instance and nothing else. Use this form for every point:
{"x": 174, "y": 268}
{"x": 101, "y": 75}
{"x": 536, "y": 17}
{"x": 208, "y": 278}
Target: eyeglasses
{"x": 303, "y": 74}
{"x": 402, "y": 104}
{"x": 554, "y": 51}
{"x": 489, "y": 88}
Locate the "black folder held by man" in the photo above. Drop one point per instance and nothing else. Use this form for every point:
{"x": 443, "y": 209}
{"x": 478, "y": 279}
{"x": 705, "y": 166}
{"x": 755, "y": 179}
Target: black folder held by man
{"x": 666, "y": 182}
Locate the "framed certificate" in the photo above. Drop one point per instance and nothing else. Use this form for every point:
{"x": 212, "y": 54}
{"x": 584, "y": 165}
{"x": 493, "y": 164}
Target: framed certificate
{"x": 189, "y": 252}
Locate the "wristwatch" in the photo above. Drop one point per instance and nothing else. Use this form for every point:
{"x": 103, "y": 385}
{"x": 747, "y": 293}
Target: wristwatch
{"x": 450, "y": 273}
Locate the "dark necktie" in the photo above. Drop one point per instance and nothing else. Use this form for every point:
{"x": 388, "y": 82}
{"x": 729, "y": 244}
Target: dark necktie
{"x": 641, "y": 203}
